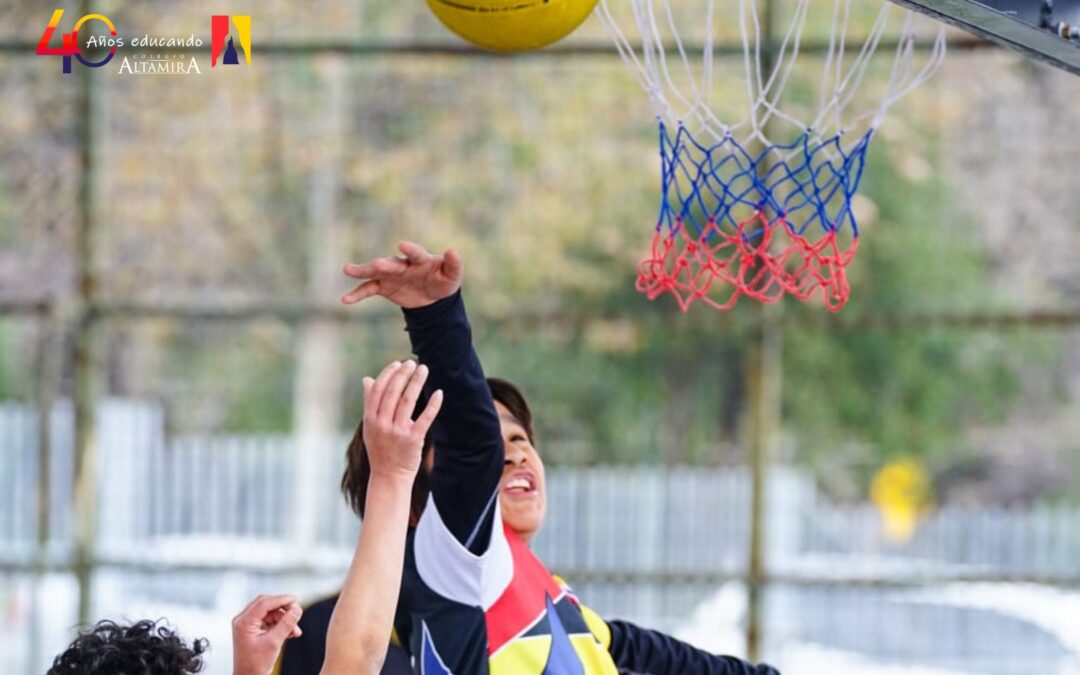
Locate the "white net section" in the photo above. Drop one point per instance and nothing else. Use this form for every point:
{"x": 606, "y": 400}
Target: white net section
{"x": 681, "y": 79}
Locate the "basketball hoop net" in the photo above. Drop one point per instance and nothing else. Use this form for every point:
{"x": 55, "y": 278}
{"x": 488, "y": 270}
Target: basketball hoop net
{"x": 742, "y": 214}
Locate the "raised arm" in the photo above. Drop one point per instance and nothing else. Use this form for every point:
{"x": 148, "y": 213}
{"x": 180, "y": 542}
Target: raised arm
{"x": 467, "y": 437}
{"x": 363, "y": 617}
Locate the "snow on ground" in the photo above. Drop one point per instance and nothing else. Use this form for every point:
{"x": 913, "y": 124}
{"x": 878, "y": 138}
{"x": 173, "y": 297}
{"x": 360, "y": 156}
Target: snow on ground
{"x": 1054, "y": 610}
{"x": 716, "y": 625}
{"x": 810, "y": 659}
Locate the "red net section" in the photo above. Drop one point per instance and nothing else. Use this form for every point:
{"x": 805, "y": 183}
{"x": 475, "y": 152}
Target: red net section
{"x": 717, "y": 267}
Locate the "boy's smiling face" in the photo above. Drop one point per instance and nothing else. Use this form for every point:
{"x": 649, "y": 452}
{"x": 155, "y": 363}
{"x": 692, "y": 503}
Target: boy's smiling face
{"x": 522, "y": 493}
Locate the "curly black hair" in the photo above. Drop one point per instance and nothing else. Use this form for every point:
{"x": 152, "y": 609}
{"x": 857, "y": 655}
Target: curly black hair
{"x": 142, "y": 648}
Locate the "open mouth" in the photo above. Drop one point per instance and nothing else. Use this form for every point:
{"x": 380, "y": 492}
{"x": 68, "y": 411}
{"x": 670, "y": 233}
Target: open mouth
{"x": 519, "y": 484}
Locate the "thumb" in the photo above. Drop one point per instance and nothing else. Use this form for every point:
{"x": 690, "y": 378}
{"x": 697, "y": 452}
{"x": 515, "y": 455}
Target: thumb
{"x": 286, "y": 627}
{"x": 452, "y": 265}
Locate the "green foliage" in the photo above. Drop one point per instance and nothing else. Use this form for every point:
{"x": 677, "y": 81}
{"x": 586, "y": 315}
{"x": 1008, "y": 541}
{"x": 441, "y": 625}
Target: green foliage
{"x": 906, "y": 392}
{"x": 261, "y": 405}
{"x": 234, "y": 378}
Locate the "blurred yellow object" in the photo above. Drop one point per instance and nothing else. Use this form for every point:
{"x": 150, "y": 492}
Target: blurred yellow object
{"x": 900, "y": 490}
{"x": 512, "y": 25}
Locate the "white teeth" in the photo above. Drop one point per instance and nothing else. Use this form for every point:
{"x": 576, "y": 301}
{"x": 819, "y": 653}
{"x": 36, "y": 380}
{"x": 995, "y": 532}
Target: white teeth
{"x": 517, "y": 483}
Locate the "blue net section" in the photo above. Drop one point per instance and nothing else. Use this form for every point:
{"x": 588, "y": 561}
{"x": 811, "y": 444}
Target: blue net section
{"x": 759, "y": 223}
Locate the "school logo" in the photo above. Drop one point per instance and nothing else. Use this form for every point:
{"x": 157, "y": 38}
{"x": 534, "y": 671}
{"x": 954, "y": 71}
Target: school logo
{"x": 222, "y": 45}
{"x": 147, "y": 54}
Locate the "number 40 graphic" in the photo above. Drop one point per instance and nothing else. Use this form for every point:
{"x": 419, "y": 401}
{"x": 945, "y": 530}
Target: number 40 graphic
{"x": 70, "y": 45}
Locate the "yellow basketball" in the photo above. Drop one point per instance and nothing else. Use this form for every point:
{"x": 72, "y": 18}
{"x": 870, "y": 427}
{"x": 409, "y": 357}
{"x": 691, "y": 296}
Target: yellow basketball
{"x": 512, "y": 25}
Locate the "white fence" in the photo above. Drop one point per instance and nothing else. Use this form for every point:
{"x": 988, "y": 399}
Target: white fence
{"x": 165, "y": 499}
{"x": 191, "y": 525}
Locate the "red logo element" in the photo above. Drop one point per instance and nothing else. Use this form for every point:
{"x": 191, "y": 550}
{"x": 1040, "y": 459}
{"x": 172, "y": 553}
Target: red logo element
{"x": 221, "y": 42}
{"x": 71, "y": 45}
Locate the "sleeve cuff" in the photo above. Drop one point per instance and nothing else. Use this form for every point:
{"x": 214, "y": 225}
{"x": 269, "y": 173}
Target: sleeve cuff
{"x": 421, "y": 317}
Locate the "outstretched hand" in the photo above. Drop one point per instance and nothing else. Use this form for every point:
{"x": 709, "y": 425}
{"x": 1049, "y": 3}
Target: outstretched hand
{"x": 260, "y": 630}
{"x": 395, "y": 441}
{"x": 414, "y": 279}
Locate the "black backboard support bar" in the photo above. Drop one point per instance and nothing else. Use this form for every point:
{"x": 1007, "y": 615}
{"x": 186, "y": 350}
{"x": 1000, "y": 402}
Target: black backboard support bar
{"x": 1016, "y": 24}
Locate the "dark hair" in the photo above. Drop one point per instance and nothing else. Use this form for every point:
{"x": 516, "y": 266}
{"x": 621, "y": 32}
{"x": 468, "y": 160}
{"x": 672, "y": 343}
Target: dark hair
{"x": 354, "y": 482}
{"x": 510, "y": 396}
{"x": 143, "y": 648}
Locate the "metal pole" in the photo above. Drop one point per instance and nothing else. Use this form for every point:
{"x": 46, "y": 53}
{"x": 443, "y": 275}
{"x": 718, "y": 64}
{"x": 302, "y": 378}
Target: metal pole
{"x": 48, "y": 370}
{"x": 86, "y": 349}
{"x": 601, "y": 49}
{"x": 763, "y": 391}
{"x": 319, "y": 375}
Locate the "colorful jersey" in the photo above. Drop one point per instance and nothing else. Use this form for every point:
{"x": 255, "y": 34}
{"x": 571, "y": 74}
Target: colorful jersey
{"x": 500, "y": 612}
